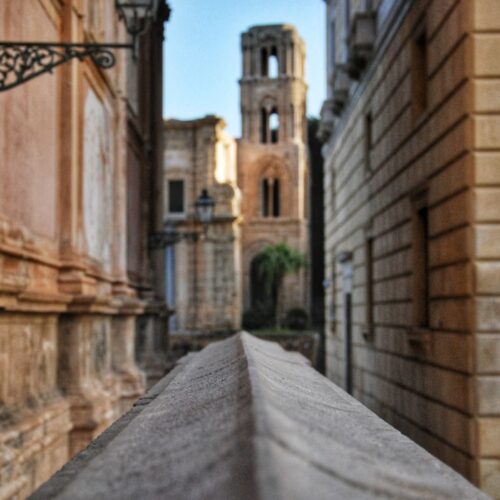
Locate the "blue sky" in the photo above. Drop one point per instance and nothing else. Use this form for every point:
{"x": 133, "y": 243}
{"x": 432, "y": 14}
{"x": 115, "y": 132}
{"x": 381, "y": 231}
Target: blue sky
{"x": 202, "y": 53}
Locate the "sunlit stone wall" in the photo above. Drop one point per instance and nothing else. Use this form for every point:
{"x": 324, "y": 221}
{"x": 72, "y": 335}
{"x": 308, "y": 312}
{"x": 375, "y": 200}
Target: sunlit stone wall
{"x": 70, "y": 296}
{"x": 412, "y": 247}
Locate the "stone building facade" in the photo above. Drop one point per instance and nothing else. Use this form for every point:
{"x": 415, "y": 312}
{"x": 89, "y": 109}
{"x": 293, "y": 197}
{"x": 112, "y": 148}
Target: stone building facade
{"x": 203, "y": 274}
{"x": 259, "y": 184}
{"x": 79, "y": 151}
{"x": 412, "y": 175}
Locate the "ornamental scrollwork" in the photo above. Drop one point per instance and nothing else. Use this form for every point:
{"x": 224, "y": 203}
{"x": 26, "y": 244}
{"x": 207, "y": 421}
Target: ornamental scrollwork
{"x": 21, "y": 62}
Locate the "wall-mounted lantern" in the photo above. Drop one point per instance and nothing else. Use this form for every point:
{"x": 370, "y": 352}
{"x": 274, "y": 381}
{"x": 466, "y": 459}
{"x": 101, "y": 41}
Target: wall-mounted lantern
{"x": 23, "y": 61}
{"x": 137, "y": 15}
{"x": 204, "y": 206}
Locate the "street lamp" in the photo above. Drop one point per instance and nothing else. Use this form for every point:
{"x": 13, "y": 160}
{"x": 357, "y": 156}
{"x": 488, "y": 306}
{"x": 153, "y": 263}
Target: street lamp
{"x": 204, "y": 206}
{"x": 137, "y": 15}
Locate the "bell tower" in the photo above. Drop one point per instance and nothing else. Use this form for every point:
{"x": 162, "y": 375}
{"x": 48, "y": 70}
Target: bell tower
{"x": 273, "y": 89}
{"x": 272, "y": 152}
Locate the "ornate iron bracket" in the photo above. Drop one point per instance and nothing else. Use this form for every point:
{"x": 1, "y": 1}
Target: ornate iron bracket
{"x": 23, "y": 61}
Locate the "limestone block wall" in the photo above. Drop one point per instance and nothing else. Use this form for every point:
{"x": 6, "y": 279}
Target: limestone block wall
{"x": 35, "y": 419}
{"x": 206, "y": 275}
{"x": 484, "y": 45}
{"x": 437, "y": 382}
{"x": 70, "y": 289}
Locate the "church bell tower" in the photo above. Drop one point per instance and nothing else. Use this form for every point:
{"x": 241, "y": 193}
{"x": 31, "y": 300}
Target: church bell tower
{"x": 272, "y": 152}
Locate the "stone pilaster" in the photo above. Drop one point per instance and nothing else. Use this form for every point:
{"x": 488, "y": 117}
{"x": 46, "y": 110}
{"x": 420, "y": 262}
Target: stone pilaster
{"x": 86, "y": 375}
{"x": 123, "y": 360}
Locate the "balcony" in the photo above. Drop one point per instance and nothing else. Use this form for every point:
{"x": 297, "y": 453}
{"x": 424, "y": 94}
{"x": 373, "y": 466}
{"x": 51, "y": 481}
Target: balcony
{"x": 341, "y": 84}
{"x": 361, "y": 42}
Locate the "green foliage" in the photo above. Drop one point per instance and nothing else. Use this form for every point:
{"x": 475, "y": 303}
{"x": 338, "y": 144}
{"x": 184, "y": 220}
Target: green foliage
{"x": 275, "y": 262}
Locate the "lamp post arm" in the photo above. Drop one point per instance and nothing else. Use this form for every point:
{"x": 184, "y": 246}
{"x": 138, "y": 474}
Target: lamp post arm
{"x": 23, "y": 61}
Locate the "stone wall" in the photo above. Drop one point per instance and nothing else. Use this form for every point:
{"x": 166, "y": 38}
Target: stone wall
{"x": 391, "y": 159}
{"x": 273, "y": 428}
{"x": 70, "y": 290}
{"x": 483, "y": 171}
{"x": 204, "y": 274}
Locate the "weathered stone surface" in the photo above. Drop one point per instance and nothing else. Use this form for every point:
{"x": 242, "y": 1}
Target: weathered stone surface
{"x": 79, "y": 159}
{"x": 202, "y": 275}
{"x": 245, "y": 419}
{"x": 391, "y": 159}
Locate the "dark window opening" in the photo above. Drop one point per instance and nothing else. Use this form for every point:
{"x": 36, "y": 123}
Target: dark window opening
{"x": 421, "y": 268}
{"x": 265, "y": 198}
{"x": 369, "y": 285}
{"x": 264, "y": 68}
{"x": 176, "y": 197}
{"x": 263, "y": 126}
{"x": 368, "y": 140}
{"x": 419, "y": 74}
{"x": 270, "y": 192}
{"x": 269, "y": 62}
{"x": 276, "y": 198}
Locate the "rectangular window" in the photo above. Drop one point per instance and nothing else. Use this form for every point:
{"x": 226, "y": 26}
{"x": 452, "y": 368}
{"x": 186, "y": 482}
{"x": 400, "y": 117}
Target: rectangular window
{"x": 176, "y": 197}
{"x": 419, "y": 73}
{"x": 368, "y": 143}
{"x": 421, "y": 267}
{"x": 369, "y": 287}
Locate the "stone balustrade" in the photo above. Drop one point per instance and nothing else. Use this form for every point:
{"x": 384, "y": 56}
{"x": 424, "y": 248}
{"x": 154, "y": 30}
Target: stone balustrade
{"x": 245, "y": 419}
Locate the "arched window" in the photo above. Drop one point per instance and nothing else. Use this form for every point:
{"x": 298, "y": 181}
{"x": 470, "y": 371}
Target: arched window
{"x": 273, "y": 64}
{"x": 269, "y": 125}
{"x": 269, "y": 62}
{"x": 274, "y": 125}
{"x": 270, "y": 192}
{"x": 263, "y": 298}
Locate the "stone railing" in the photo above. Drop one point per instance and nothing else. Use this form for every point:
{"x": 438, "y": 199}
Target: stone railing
{"x": 243, "y": 419}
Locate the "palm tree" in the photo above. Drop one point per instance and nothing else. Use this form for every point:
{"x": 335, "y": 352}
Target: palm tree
{"x": 275, "y": 262}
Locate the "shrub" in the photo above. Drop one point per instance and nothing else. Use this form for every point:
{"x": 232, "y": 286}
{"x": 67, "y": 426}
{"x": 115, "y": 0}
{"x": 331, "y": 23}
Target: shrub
{"x": 260, "y": 317}
{"x": 296, "y": 319}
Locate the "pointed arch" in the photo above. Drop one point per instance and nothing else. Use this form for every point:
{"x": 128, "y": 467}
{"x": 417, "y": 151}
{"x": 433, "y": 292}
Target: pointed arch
{"x": 273, "y": 181}
{"x": 269, "y": 121}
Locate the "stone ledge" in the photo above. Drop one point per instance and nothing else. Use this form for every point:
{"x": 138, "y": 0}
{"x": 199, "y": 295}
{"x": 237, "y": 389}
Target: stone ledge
{"x": 244, "y": 419}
